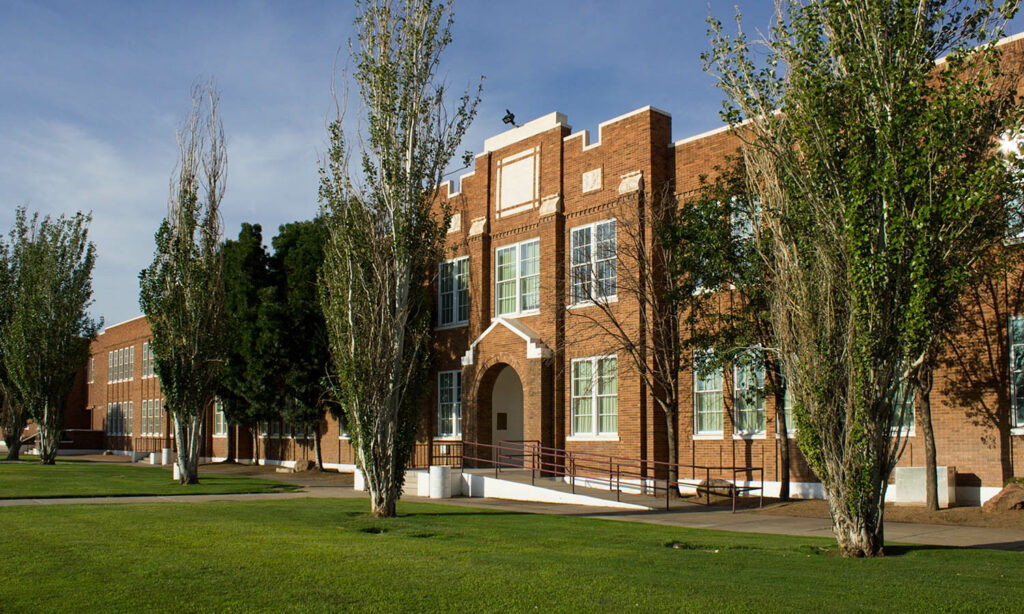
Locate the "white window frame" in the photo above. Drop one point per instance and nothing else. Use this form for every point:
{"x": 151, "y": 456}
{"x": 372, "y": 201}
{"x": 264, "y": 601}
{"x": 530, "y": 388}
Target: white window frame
{"x": 110, "y": 366}
{"x": 220, "y": 421}
{"x": 737, "y": 391}
{"x": 449, "y": 269}
{"x": 592, "y": 263}
{"x": 454, "y": 406}
{"x": 1016, "y": 409}
{"x": 518, "y": 280}
{"x": 720, "y": 391}
{"x": 593, "y": 395}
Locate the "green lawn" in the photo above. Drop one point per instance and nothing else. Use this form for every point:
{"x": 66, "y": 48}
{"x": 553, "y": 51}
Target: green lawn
{"x": 329, "y": 555}
{"x": 30, "y": 480}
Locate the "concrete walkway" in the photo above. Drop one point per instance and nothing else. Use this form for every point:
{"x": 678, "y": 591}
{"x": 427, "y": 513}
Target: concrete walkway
{"x": 689, "y": 516}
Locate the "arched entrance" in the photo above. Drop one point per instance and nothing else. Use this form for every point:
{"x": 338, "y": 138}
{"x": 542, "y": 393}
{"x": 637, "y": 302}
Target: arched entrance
{"x": 507, "y": 411}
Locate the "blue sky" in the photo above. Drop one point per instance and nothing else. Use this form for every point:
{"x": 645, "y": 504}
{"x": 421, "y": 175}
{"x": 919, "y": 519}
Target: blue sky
{"x": 91, "y": 93}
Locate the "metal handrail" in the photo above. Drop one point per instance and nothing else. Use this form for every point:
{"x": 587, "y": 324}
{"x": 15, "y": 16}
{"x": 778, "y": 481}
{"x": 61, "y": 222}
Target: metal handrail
{"x": 593, "y": 467}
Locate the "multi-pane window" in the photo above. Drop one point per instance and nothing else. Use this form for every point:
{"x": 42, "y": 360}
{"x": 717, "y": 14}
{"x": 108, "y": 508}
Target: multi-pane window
{"x": 119, "y": 364}
{"x": 119, "y": 418}
{"x": 1017, "y": 371}
{"x": 449, "y": 404}
{"x": 708, "y": 401}
{"x": 595, "y": 396}
{"x": 453, "y": 292}
{"x": 220, "y": 423}
{"x": 148, "y": 363}
{"x": 594, "y": 271}
{"x": 152, "y": 417}
{"x": 787, "y": 410}
{"x": 517, "y": 278}
{"x": 903, "y": 408}
{"x": 92, "y": 370}
{"x": 748, "y": 394}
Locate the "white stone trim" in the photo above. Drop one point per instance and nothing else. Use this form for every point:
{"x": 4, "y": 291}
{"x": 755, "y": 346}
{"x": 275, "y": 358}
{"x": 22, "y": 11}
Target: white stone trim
{"x": 535, "y": 348}
{"x": 631, "y": 182}
{"x": 586, "y": 144}
{"x": 531, "y": 128}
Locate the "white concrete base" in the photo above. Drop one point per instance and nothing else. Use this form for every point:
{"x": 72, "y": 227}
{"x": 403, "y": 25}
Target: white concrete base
{"x": 484, "y": 486}
{"x": 176, "y": 472}
{"x": 910, "y": 486}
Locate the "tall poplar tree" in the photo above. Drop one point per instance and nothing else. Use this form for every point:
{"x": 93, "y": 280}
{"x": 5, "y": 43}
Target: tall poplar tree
{"x": 384, "y": 235}
{"x": 182, "y": 291}
{"x": 873, "y": 163}
{"x": 46, "y": 338}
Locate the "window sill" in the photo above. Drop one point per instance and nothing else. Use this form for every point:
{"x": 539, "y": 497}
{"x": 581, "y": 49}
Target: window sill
{"x": 789, "y": 435}
{"x": 518, "y": 314}
{"x": 448, "y": 438}
{"x": 1017, "y": 430}
{"x": 757, "y": 435}
{"x": 215, "y": 436}
{"x": 606, "y": 300}
{"x": 457, "y": 325}
{"x": 593, "y": 438}
{"x": 708, "y": 436}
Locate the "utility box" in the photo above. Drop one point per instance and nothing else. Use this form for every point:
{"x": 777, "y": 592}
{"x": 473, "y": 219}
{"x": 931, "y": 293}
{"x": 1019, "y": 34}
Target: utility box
{"x": 910, "y": 485}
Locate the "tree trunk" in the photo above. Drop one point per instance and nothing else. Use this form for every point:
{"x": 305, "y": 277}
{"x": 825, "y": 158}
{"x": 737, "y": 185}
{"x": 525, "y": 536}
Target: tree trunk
{"x": 317, "y": 447}
{"x": 672, "y": 476}
{"x": 229, "y": 455}
{"x": 13, "y": 442}
{"x": 858, "y": 535}
{"x": 49, "y": 436}
{"x": 923, "y": 402}
{"x": 782, "y": 429}
{"x": 187, "y": 432}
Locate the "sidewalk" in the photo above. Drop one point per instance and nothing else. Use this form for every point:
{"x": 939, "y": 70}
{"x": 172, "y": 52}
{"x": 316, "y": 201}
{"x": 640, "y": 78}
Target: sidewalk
{"x": 691, "y": 516}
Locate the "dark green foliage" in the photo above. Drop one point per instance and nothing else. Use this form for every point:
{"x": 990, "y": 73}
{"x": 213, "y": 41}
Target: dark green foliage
{"x": 880, "y": 189}
{"x": 45, "y": 339}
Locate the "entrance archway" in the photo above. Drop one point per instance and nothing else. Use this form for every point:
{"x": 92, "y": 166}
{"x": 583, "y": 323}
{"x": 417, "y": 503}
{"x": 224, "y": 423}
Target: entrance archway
{"x": 507, "y": 411}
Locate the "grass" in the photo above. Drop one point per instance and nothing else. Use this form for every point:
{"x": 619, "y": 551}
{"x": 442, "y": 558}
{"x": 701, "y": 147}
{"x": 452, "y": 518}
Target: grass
{"x": 30, "y": 480}
{"x": 329, "y": 555}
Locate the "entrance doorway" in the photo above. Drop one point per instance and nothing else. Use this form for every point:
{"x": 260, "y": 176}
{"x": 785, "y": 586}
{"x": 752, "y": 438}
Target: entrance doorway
{"x": 507, "y": 413}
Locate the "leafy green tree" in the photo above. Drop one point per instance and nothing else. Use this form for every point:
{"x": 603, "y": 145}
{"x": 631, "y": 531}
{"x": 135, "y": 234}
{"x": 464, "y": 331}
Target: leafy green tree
{"x": 182, "y": 291}
{"x": 384, "y": 237}
{"x": 13, "y": 418}
{"x": 251, "y": 379}
{"x": 46, "y": 338}
{"x": 876, "y": 152}
{"x": 715, "y": 235}
{"x": 295, "y": 265}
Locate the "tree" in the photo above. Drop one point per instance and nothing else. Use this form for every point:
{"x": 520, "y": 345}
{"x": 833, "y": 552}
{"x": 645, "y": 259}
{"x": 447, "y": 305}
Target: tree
{"x": 384, "y": 236}
{"x": 13, "y": 418}
{"x": 47, "y": 336}
{"x": 182, "y": 291}
{"x": 295, "y": 265}
{"x": 251, "y": 379}
{"x": 639, "y": 264}
{"x": 861, "y": 168}
{"x": 716, "y": 239}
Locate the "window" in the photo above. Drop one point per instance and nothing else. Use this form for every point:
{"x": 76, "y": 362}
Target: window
{"x": 92, "y": 370}
{"x": 517, "y": 278}
{"x": 595, "y": 400}
{"x": 593, "y": 271}
{"x": 1016, "y": 338}
{"x": 453, "y": 292}
{"x": 110, "y": 367}
{"x": 743, "y": 218}
{"x": 220, "y": 423}
{"x": 131, "y": 362}
{"x": 119, "y": 418}
{"x": 707, "y": 400}
{"x": 148, "y": 361}
{"x": 449, "y": 404}
{"x": 787, "y": 411}
{"x": 904, "y": 404}
{"x": 748, "y": 394}
{"x": 131, "y": 418}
